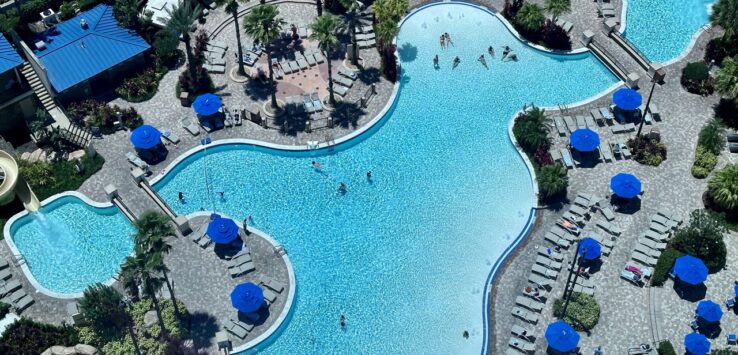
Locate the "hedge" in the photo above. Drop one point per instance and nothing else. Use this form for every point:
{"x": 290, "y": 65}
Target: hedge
{"x": 665, "y": 348}
{"x": 663, "y": 266}
{"x": 583, "y": 312}
{"x": 63, "y": 175}
{"x": 28, "y": 337}
{"x": 704, "y": 162}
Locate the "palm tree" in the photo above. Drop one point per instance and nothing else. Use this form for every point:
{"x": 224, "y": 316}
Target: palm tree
{"x": 390, "y": 9}
{"x": 325, "y": 31}
{"x": 231, "y": 7}
{"x": 264, "y": 25}
{"x": 152, "y": 230}
{"x": 552, "y": 180}
{"x": 319, "y": 5}
{"x": 181, "y": 18}
{"x": 530, "y": 17}
{"x": 723, "y": 188}
{"x": 725, "y": 15}
{"x": 142, "y": 269}
{"x": 726, "y": 81}
{"x": 101, "y": 307}
{"x": 386, "y": 32}
{"x": 557, "y": 7}
{"x": 352, "y": 19}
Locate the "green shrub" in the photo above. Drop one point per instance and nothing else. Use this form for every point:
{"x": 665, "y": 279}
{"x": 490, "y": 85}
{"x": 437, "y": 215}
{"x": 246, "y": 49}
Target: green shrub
{"x": 723, "y": 189}
{"x": 92, "y": 113}
{"x": 166, "y": 44}
{"x": 647, "y": 150}
{"x": 663, "y": 266}
{"x": 64, "y": 176}
{"x": 148, "y": 346}
{"x": 85, "y": 5}
{"x": 719, "y": 48}
{"x": 552, "y": 181}
{"x": 88, "y": 335}
{"x": 712, "y": 136}
{"x": 66, "y": 11}
{"x": 4, "y": 309}
{"x": 530, "y": 129}
{"x": 583, "y": 312}
{"x": 9, "y": 20}
{"x": 696, "y": 79}
{"x": 665, "y": 348}
{"x": 141, "y": 87}
{"x": 704, "y": 163}
{"x": 28, "y": 337}
{"x": 37, "y": 174}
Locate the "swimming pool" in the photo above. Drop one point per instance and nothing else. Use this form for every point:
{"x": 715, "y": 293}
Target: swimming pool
{"x": 70, "y": 244}
{"x": 405, "y": 256}
{"x": 662, "y": 30}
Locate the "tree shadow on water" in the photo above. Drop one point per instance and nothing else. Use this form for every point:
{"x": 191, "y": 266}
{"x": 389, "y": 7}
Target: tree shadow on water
{"x": 408, "y": 52}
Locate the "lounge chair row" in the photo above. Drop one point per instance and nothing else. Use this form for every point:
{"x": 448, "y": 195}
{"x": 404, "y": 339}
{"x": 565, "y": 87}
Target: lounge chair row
{"x": 567, "y": 123}
{"x": 653, "y": 241}
{"x": 636, "y": 274}
{"x": 311, "y": 57}
{"x": 12, "y": 293}
{"x": 607, "y": 9}
{"x": 308, "y": 102}
{"x": 238, "y": 328}
{"x": 566, "y": 25}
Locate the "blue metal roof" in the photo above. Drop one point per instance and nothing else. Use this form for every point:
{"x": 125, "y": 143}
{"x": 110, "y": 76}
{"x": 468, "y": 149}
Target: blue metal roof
{"x": 9, "y": 57}
{"x": 74, "y": 54}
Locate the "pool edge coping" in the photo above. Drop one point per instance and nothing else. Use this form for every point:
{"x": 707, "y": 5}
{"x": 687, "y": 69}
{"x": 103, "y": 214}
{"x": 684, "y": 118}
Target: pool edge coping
{"x": 24, "y": 266}
{"x": 683, "y": 54}
{"x": 286, "y": 311}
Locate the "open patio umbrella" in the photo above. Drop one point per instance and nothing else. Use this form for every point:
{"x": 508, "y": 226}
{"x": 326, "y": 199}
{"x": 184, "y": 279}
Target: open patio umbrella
{"x": 735, "y": 290}
{"x": 709, "y": 311}
{"x": 625, "y": 185}
{"x": 589, "y": 249}
{"x": 247, "y": 297}
{"x": 206, "y": 104}
{"x": 145, "y": 137}
{"x": 561, "y": 336}
{"x": 697, "y": 344}
{"x": 627, "y": 99}
{"x": 222, "y": 230}
{"x": 690, "y": 270}
{"x": 584, "y": 140}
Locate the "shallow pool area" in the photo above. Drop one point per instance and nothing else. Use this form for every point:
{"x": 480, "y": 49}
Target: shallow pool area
{"x": 69, "y": 244}
{"x": 405, "y": 256}
{"x": 662, "y": 30}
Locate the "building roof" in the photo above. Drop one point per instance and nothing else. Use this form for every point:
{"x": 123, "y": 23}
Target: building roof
{"x": 73, "y": 54}
{"x": 9, "y": 57}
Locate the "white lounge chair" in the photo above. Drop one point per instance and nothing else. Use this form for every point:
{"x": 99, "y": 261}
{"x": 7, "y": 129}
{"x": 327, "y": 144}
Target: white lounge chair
{"x": 522, "y": 345}
{"x": 343, "y": 81}
{"x": 136, "y": 161}
{"x": 643, "y": 259}
{"x": 525, "y": 315}
{"x": 301, "y": 62}
{"x": 550, "y": 253}
{"x": 566, "y": 158}
{"x": 581, "y": 122}
{"x": 570, "y": 125}
{"x": 608, "y": 213}
{"x": 190, "y": 126}
{"x": 560, "y": 126}
{"x": 170, "y": 136}
{"x": 348, "y": 73}
{"x": 235, "y": 329}
{"x": 652, "y": 243}
{"x": 549, "y": 263}
{"x": 544, "y": 271}
{"x": 597, "y": 116}
{"x": 645, "y": 250}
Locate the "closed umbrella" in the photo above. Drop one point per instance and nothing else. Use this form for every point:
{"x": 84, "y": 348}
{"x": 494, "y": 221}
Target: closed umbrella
{"x": 584, "y": 140}
{"x": 206, "y": 104}
{"x": 697, "y": 344}
{"x": 561, "y": 336}
{"x": 627, "y": 99}
{"x": 247, "y": 297}
{"x": 625, "y": 185}
{"x": 145, "y": 137}
{"x": 690, "y": 270}
{"x": 709, "y": 311}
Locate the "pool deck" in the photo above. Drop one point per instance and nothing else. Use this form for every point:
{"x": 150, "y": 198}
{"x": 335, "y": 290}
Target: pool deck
{"x": 630, "y": 315}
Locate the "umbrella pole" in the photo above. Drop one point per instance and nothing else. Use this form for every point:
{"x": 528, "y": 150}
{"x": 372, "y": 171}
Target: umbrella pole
{"x": 567, "y": 291}
{"x": 645, "y": 110}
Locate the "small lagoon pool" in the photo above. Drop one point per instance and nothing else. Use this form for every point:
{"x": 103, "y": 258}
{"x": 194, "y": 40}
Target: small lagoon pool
{"x": 406, "y": 255}
{"x": 662, "y": 29}
{"x": 69, "y": 244}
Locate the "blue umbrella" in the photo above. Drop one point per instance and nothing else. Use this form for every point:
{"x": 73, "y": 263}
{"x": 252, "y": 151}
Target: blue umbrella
{"x": 697, "y": 344}
{"x": 690, "y": 270}
{"x": 589, "y": 249}
{"x": 247, "y": 297}
{"x": 206, "y": 104}
{"x": 625, "y": 185}
{"x": 735, "y": 290}
{"x": 709, "y": 311}
{"x": 561, "y": 336}
{"x": 222, "y": 230}
{"x": 627, "y": 99}
{"x": 145, "y": 137}
{"x": 584, "y": 140}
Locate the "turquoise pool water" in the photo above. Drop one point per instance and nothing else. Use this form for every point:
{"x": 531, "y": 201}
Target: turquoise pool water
{"x": 662, "y": 29}
{"x": 404, "y": 257}
{"x": 69, "y": 245}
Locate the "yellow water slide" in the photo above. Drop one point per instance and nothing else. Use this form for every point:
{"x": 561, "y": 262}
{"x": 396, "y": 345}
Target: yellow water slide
{"x": 12, "y": 184}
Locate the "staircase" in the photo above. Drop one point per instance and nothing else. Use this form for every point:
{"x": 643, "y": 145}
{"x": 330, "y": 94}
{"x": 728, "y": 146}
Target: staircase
{"x": 38, "y": 87}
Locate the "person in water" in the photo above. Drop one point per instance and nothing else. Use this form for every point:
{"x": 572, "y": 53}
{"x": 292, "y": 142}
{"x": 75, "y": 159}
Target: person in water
{"x": 317, "y": 165}
{"x": 443, "y": 42}
{"x": 505, "y": 52}
{"x": 342, "y": 321}
{"x": 448, "y": 38}
{"x": 180, "y": 195}
{"x": 369, "y": 175}
{"x": 511, "y": 57}
{"x": 491, "y": 51}
{"x": 342, "y": 188}
{"x": 435, "y": 61}
{"x": 456, "y": 62}
{"x": 466, "y": 334}
{"x": 483, "y": 61}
